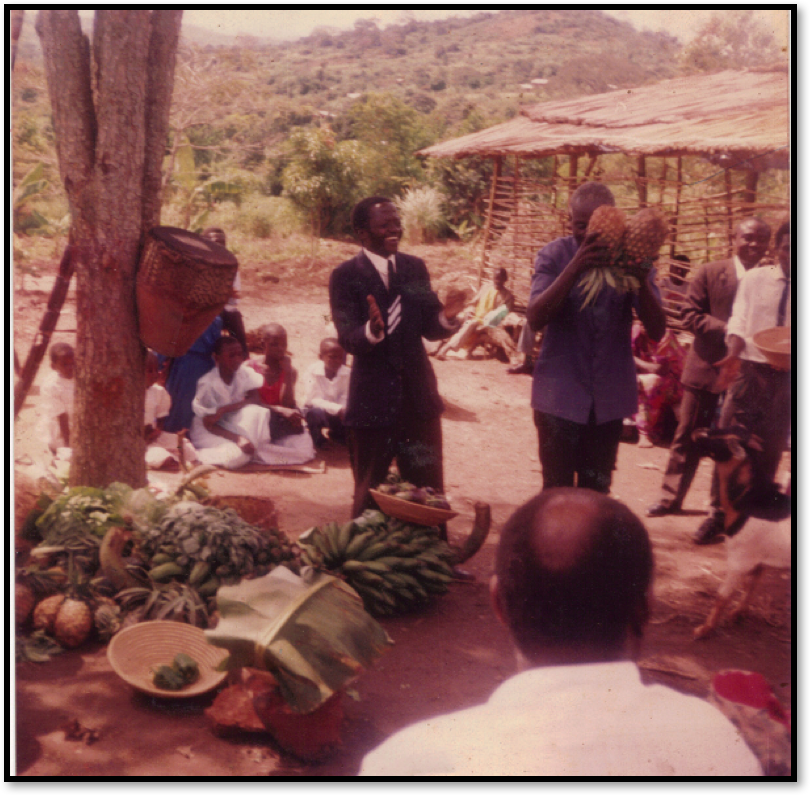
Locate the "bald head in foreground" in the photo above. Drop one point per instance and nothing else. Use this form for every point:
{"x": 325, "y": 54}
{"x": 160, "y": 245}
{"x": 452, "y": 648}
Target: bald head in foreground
{"x": 572, "y": 578}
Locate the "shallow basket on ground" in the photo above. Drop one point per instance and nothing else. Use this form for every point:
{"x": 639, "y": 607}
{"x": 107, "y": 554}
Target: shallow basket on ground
{"x": 135, "y": 653}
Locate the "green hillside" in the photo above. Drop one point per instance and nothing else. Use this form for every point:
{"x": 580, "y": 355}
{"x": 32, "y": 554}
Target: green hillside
{"x": 356, "y": 104}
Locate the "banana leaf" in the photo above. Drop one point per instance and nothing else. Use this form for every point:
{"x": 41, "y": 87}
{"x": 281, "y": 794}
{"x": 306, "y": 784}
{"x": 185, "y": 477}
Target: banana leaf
{"x": 310, "y": 632}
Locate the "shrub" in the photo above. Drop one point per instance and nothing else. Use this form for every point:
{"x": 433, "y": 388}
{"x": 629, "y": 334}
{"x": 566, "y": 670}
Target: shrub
{"x": 422, "y": 214}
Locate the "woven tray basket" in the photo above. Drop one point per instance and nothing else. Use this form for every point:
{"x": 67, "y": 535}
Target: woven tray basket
{"x": 137, "y": 651}
{"x": 409, "y": 511}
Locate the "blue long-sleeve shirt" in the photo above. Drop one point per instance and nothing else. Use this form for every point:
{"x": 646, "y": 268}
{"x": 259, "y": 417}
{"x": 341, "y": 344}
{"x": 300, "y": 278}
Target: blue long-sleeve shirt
{"x": 586, "y": 360}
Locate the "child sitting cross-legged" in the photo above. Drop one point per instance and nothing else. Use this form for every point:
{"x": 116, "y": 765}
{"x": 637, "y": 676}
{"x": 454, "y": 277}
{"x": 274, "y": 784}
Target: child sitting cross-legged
{"x": 231, "y": 426}
{"x": 277, "y": 392}
{"x": 326, "y": 387}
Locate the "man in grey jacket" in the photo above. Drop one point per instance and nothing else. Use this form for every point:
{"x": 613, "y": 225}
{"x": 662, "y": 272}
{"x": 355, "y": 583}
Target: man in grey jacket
{"x": 705, "y": 314}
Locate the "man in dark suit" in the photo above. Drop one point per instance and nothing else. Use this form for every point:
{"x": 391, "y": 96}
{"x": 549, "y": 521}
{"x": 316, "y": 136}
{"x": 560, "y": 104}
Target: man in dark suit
{"x": 706, "y": 313}
{"x": 382, "y": 306}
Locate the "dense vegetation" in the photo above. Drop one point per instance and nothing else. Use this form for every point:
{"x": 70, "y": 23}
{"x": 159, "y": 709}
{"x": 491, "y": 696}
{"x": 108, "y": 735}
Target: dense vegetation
{"x": 284, "y": 137}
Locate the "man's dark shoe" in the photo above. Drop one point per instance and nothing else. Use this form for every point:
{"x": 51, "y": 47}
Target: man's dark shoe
{"x": 662, "y": 508}
{"x": 711, "y": 531}
{"x": 527, "y": 368}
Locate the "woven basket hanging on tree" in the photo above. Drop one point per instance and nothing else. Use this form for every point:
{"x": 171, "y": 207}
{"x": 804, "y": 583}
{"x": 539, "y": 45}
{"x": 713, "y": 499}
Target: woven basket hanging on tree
{"x": 184, "y": 281}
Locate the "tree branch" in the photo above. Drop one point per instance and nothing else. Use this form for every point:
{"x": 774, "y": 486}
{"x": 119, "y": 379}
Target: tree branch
{"x": 66, "y": 53}
{"x": 162, "y": 57}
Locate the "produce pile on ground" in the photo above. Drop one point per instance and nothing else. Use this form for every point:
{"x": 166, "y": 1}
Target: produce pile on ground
{"x": 402, "y": 490}
{"x": 106, "y": 558}
{"x": 633, "y": 246}
{"x": 393, "y": 565}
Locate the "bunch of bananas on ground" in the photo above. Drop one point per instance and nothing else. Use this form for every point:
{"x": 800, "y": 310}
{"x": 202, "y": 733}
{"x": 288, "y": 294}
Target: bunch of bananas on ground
{"x": 632, "y": 244}
{"x": 205, "y": 547}
{"x": 393, "y": 566}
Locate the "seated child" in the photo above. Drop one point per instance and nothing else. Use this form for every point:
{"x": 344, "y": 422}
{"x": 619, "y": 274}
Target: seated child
{"x": 278, "y": 388}
{"x": 487, "y": 310}
{"x": 57, "y": 400}
{"x": 231, "y": 426}
{"x": 162, "y": 448}
{"x": 327, "y": 391}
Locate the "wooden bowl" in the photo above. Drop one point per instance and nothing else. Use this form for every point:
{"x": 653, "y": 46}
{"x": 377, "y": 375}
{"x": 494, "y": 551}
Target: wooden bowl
{"x": 774, "y": 344}
{"x": 411, "y": 511}
{"x": 135, "y": 653}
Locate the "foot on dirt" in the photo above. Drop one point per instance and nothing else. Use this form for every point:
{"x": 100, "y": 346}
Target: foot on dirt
{"x": 463, "y": 574}
{"x": 662, "y": 509}
{"x": 710, "y": 532}
{"x": 521, "y": 369}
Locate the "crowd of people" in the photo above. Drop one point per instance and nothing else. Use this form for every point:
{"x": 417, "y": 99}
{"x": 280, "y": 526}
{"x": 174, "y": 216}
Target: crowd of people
{"x": 574, "y": 566}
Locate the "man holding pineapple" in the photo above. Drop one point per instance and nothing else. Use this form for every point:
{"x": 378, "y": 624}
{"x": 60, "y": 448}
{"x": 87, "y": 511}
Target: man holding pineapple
{"x": 584, "y": 382}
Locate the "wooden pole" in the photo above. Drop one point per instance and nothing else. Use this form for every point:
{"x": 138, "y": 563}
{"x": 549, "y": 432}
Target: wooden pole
{"x": 751, "y": 181}
{"x": 516, "y": 216}
{"x": 573, "y": 167}
{"x": 729, "y": 208}
{"x": 641, "y": 181}
{"x": 678, "y": 188}
{"x": 46, "y": 327}
{"x": 496, "y": 173}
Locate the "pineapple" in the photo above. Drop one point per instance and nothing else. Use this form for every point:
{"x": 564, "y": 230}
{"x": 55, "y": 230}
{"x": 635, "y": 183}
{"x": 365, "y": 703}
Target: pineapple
{"x": 646, "y": 232}
{"x": 45, "y": 612}
{"x": 73, "y": 623}
{"x": 609, "y": 222}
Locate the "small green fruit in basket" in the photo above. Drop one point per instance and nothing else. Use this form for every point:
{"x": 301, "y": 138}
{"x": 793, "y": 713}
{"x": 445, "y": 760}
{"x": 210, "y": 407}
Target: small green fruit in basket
{"x": 187, "y": 667}
{"x": 168, "y": 678}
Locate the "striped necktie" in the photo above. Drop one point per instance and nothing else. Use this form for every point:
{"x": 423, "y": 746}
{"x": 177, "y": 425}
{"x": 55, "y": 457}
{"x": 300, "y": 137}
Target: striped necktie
{"x": 393, "y": 317}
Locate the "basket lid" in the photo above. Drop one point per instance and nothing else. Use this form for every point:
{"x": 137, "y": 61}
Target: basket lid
{"x": 193, "y": 246}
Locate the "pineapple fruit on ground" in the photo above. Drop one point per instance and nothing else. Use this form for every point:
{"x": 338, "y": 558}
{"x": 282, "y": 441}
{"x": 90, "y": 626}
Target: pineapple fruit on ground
{"x": 633, "y": 244}
{"x": 68, "y": 620}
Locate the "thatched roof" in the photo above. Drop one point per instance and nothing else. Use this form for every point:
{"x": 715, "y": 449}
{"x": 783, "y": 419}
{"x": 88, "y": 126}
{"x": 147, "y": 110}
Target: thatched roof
{"x": 730, "y": 116}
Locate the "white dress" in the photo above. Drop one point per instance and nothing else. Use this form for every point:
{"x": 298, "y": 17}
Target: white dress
{"x": 252, "y": 421}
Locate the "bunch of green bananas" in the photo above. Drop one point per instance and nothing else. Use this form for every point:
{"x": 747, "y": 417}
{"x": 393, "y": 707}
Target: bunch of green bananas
{"x": 206, "y": 546}
{"x": 393, "y": 566}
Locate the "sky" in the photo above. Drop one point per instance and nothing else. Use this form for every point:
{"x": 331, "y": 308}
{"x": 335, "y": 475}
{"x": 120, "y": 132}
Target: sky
{"x": 294, "y": 23}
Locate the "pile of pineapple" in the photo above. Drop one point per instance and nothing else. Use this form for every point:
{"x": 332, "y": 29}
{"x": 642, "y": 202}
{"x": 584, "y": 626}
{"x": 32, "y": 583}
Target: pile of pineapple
{"x": 633, "y": 245}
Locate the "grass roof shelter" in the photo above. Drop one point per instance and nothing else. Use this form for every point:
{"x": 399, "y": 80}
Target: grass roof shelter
{"x": 707, "y": 150}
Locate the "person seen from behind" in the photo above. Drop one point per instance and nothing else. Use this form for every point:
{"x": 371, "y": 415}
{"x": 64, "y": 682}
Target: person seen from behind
{"x": 573, "y": 575}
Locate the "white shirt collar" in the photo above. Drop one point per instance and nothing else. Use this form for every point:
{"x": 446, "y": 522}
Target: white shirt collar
{"x": 739, "y": 268}
{"x": 381, "y": 264}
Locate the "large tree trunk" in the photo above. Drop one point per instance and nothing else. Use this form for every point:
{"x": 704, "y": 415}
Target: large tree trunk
{"x": 110, "y": 113}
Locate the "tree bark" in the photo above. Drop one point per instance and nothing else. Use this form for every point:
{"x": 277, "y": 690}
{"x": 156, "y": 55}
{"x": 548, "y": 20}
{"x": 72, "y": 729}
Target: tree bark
{"x": 110, "y": 136}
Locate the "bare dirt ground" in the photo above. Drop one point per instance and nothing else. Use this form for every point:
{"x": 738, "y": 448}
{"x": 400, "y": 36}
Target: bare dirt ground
{"x": 447, "y": 657}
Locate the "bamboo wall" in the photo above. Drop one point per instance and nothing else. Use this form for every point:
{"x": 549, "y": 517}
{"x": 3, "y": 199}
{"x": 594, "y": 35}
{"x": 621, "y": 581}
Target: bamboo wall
{"x": 526, "y": 212}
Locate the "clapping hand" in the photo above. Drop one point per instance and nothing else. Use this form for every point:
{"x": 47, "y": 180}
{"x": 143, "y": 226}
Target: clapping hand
{"x": 375, "y": 317}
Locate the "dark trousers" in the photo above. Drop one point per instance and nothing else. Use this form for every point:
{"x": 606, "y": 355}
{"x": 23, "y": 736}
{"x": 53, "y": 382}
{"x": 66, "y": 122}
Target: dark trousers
{"x": 698, "y": 407}
{"x": 760, "y": 400}
{"x": 319, "y": 419}
{"x": 570, "y": 450}
{"x": 416, "y": 444}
